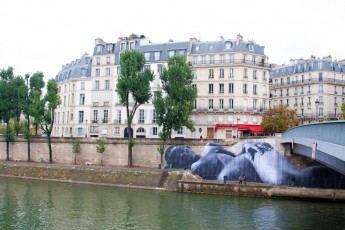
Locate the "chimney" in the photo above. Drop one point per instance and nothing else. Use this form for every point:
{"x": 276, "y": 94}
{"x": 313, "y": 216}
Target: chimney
{"x": 193, "y": 39}
{"x": 221, "y": 38}
{"x": 292, "y": 62}
{"x": 239, "y": 39}
{"x": 98, "y": 41}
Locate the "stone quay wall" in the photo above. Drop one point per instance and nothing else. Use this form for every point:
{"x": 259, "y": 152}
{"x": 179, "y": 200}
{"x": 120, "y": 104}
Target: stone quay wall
{"x": 145, "y": 152}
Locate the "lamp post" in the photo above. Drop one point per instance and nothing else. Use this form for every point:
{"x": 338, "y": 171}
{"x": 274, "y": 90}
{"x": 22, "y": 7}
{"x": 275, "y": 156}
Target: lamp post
{"x": 86, "y": 129}
{"x": 317, "y": 103}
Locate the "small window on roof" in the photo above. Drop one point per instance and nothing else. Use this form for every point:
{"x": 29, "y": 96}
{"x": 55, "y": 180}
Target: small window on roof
{"x": 228, "y": 45}
{"x": 251, "y": 47}
{"x": 197, "y": 48}
{"x": 211, "y": 47}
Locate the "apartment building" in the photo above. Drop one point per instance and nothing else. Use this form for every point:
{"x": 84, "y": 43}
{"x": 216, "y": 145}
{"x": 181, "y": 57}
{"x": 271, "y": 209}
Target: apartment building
{"x": 314, "y": 88}
{"x": 231, "y": 76}
{"x": 232, "y": 79}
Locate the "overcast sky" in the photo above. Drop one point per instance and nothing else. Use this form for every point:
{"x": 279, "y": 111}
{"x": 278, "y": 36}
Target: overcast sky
{"x": 42, "y": 35}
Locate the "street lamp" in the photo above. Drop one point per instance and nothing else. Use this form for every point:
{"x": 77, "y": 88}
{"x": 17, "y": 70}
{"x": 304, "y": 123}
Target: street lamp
{"x": 86, "y": 129}
{"x": 317, "y": 103}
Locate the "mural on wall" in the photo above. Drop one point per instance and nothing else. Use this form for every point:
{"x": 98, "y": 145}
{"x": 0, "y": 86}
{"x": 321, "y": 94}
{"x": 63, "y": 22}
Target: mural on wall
{"x": 258, "y": 161}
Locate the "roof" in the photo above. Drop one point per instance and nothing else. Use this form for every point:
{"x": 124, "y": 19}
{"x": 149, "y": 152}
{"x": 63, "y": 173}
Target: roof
{"x": 76, "y": 69}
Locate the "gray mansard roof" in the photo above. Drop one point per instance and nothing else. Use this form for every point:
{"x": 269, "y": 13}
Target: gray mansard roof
{"x": 227, "y": 46}
{"x": 306, "y": 66}
{"x": 76, "y": 69}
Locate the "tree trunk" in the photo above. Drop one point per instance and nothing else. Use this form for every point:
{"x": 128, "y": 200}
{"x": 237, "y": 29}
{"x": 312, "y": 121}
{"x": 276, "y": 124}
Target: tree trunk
{"x": 50, "y": 150}
{"x": 29, "y": 139}
{"x": 130, "y": 160}
{"x": 7, "y": 150}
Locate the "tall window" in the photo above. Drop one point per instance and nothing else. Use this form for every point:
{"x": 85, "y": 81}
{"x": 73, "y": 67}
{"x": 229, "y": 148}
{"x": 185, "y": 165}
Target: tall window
{"x": 221, "y": 104}
{"x": 81, "y": 116}
{"x": 320, "y": 88}
{"x": 107, "y": 84}
{"x": 245, "y": 73}
{"x": 98, "y": 72}
{"x": 221, "y": 73}
{"x": 98, "y": 60}
{"x": 221, "y": 88}
{"x": 212, "y": 59}
{"x": 160, "y": 68}
{"x": 231, "y": 87}
{"x": 95, "y": 115}
{"x": 195, "y": 75}
{"x": 245, "y": 88}
{"x": 105, "y": 115}
{"x": 254, "y": 74}
{"x": 154, "y": 117}
{"x": 82, "y": 85}
{"x": 221, "y": 59}
{"x": 195, "y": 60}
{"x": 210, "y": 75}
{"x": 108, "y": 60}
{"x": 157, "y": 56}
{"x": 264, "y": 75}
{"x": 171, "y": 53}
{"x": 97, "y": 84}
{"x": 231, "y": 103}
{"x": 231, "y": 73}
{"x": 118, "y": 117}
{"x": 255, "y": 89}
{"x": 147, "y": 56}
{"x": 141, "y": 116}
{"x": 232, "y": 59}
{"x": 107, "y": 71}
{"x": 255, "y": 102}
{"x": 320, "y": 76}
{"x": 210, "y": 88}
{"x": 203, "y": 60}
{"x": 154, "y": 131}
{"x": 82, "y": 99}
{"x": 210, "y": 104}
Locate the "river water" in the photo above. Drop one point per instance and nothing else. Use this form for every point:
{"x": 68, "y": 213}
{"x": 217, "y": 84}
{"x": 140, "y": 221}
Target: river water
{"x": 31, "y": 204}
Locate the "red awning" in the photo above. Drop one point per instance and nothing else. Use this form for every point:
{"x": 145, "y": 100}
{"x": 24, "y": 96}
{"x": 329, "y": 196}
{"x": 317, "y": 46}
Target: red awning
{"x": 242, "y": 127}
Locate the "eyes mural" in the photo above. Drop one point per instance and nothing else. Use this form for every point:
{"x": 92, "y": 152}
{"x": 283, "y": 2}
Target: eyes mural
{"x": 257, "y": 161}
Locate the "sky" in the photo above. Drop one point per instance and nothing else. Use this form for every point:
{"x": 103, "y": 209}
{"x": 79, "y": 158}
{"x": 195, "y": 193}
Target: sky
{"x": 43, "y": 35}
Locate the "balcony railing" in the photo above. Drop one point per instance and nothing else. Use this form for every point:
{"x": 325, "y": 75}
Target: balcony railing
{"x": 232, "y": 62}
{"x": 233, "y": 109}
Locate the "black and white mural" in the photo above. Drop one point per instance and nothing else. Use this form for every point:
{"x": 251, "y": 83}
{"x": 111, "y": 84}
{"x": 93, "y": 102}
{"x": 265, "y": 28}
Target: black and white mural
{"x": 257, "y": 161}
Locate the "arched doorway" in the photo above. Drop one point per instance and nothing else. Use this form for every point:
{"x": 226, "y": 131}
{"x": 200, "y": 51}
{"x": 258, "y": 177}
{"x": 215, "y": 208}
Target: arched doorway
{"x": 126, "y": 134}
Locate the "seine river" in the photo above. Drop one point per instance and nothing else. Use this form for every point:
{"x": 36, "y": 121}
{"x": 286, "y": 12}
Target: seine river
{"x": 30, "y": 204}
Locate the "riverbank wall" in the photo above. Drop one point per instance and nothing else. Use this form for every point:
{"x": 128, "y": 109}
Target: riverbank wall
{"x": 157, "y": 179}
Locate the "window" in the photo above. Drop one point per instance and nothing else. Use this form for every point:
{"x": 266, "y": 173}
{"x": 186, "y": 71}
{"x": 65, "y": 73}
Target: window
{"x": 264, "y": 75}
{"x": 231, "y": 103}
{"x": 244, "y": 59}
{"x": 320, "y": 88}
{"x": 107, "y": 84}
{"x": 320, "y": 65}
{"x": 245, "y": 88}
{"x": 195, "y": 60}
{"x": 141, "y": 116}
{"x": 160, "y": 68}
{"x": 221, "y": 88}
{"x": 154, "y": 117}
{"x": 309, "y": 77}
{"x": 255, "y": 89}
{"x": 105, "y": 115}
{"x": 221, "y": 104}
{"x": 228, "y": 45}
{"x": 320, "y": 112}
{"x": 123, "y": 46}
{"x": 82, "y": 85}
{"x": 99, "y": 49}
{"x": 95, "y": 116}
{"x": 231, "y": 87}
{"x": 254, "y": 74}
{"x": 118, "y": 117}
{"x": 210, "y": 75}
{"x": 203, "y": 60}
{"x": 117, "y": 131}
{"x": 320, "y": 76}
{"x": 302, "y": 78}
{"x": 210, "y": 104}
{"x": 245, "y": 74}
{"x": 212, "y": 59}
{"x": 288, "y": 81}
{"x": 221, "y": 59}
{"x": 171, "y": 53}
{"x": 147, "y": 56}
{"x": 221, "y": 73}
{"x": 157, "y": 56}
{"x": 110, "y": 47}
{"x": 98, "y": 60}
{"x": 96, "y": 84}
{"x": 154, "y": 131}
{"x": 147, "y": 67}
{"x": 118, "y": 70}
{"x": 195, "y": 76}
{"x": 232, "y": 58}
{"x": 81, "y": 116}
{"x": 255, "y": 102}
{"x": 82, "y": 99}
{"x": 131, "y": 45}
{"x": 210, "y": 88}
{"x": 80, "y": 132}
{"x": 107, "y": 71}
{"x": 251, "y": 47}
{"x": 231, "y": 73}
{"x": 98, "y": 72}
{"x": 108, "y": 60}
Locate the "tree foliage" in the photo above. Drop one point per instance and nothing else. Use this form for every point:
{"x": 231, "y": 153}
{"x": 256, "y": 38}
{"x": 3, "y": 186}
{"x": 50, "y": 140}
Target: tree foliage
{"x": 51, "y": 101}
{"x": 343, "y": 111}
{"x": 133, "y": 88}
{"x": 76, "y": 149}
{"x": 174, "y": 105}
{"x": 100, "y": 149}
{"x": 279, "y": 119}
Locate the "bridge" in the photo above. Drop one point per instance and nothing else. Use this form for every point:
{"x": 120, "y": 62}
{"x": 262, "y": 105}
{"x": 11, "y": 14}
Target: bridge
{"x": 323, "y": 142}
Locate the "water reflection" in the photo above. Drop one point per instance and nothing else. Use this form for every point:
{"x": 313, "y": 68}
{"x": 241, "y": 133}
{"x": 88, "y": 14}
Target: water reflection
{"x": 26, "y": 204}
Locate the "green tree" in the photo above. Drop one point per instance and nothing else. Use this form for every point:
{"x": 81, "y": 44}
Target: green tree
{"x": 279, "y": 119}
{"x": 76, "y": 149}
{"x": 51, "y": 101}
{"x": 7, "y": 104}
{"x": 174, "y": 106}
{"x": 100, "y": 149}
{"x": 133, "y": 88}
{"x": 343, "y": 111}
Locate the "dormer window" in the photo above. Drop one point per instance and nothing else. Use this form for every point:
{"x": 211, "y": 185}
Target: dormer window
{"x": 251, "y": 47}
{"x": 123, "y": 46}
{"x": 131, "y": 45}
{"x": 110, "y": 48}
{"x": 171, "y": 53}
{"x": 197, "y": 48}
{"x": 211, "y": 47}
{"x": 99, "y": 49}
{"x": 228, "y": 45}
{"x": 147, "y": 56}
